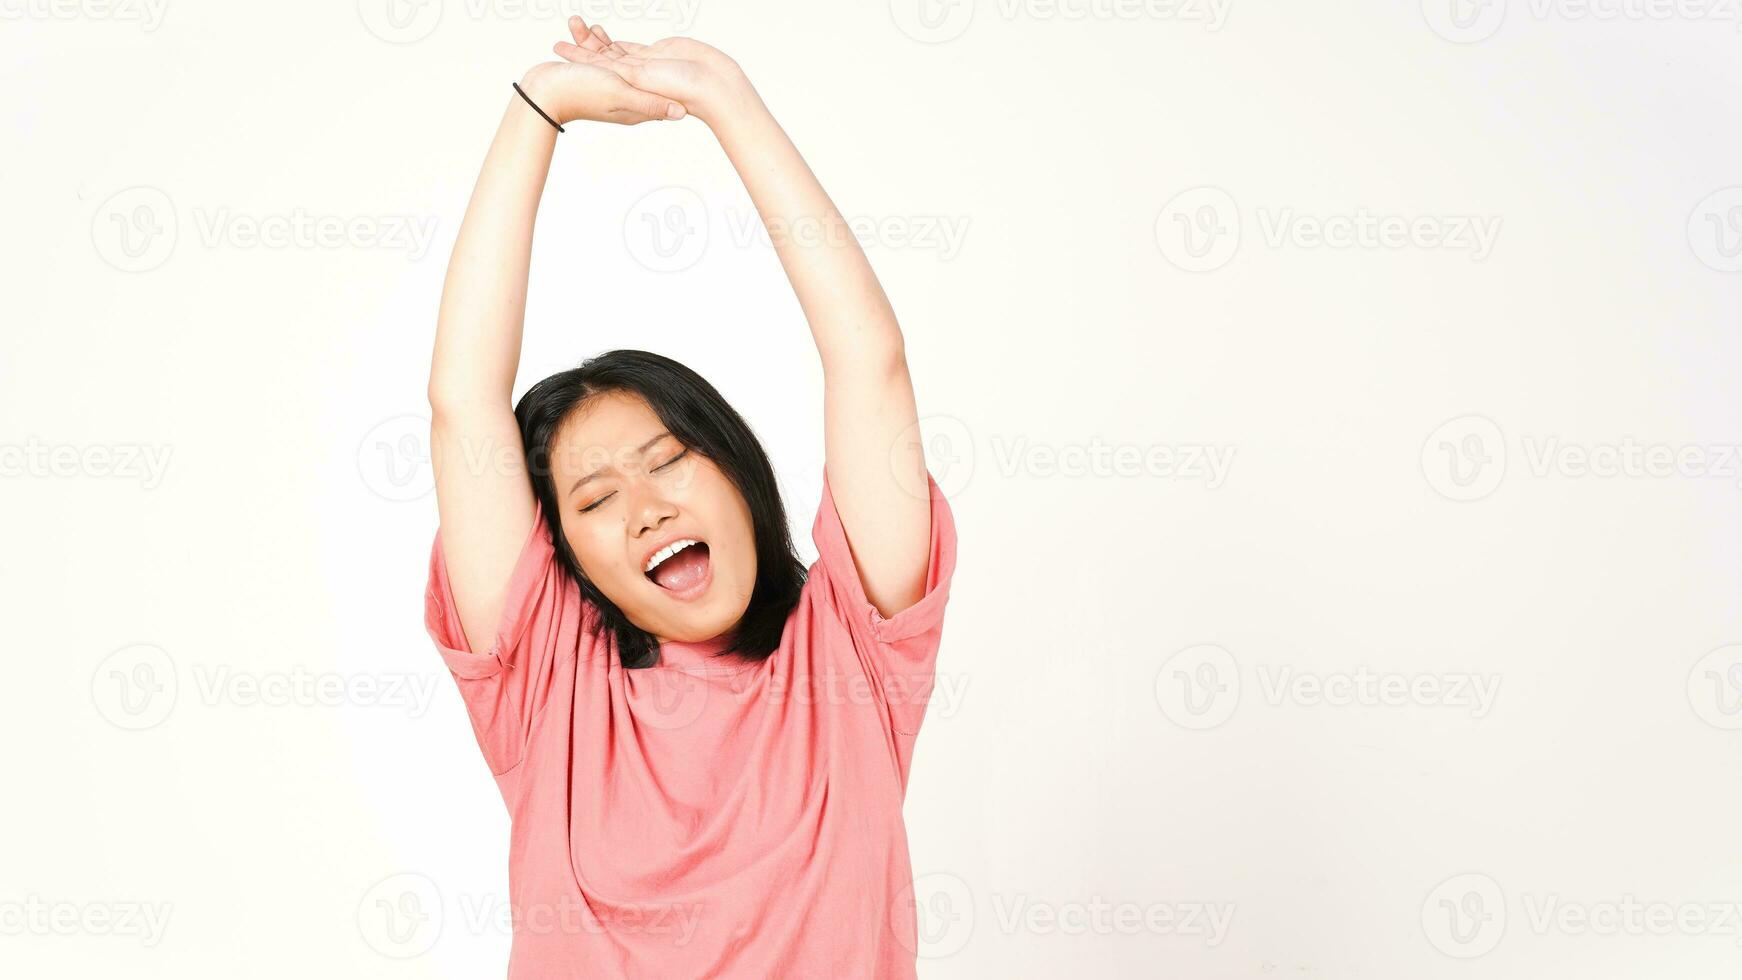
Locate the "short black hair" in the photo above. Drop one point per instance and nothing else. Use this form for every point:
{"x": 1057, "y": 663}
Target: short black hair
{"x": 696, "y": 415}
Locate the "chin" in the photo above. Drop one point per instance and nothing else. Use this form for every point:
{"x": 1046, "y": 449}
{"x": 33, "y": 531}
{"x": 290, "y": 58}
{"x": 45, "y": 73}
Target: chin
{"x": 702, "y": 616}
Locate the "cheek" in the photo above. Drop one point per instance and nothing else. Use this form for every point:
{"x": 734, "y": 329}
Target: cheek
{"x": 729, "y": 517}
{"x": 598, "y": 546}
{"x": 743, "y": 538}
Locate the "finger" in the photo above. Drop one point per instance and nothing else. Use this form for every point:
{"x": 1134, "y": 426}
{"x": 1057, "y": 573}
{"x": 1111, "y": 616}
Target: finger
{"x": 580, "y": 56}
{"x": 611, "y": 48}
{"x": 628, "y": 69}
{"x": 583, "y": 35}
{"x": 652, "y": 106}
{"x": 628, "y": 118}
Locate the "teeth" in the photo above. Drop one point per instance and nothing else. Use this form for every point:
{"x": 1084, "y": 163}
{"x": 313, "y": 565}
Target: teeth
{"x": 667, "y": 551}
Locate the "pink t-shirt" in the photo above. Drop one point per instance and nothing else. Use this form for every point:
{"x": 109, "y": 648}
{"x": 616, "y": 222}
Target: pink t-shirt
{"x": 705, "y": 818}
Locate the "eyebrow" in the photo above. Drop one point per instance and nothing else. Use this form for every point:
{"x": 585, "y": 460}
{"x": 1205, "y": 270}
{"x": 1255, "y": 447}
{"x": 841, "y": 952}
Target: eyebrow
{"x": 639, "y": 449}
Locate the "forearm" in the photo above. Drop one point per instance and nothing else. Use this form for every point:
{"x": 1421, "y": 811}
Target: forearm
{"x": 483, "y": 306}
{"x": 850, "y": 317}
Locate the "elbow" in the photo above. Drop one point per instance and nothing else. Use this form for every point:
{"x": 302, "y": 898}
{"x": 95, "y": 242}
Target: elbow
{"x": 884, "y": 361}
{"x": 446, "y": 400}
{"x": 441, "y": 397}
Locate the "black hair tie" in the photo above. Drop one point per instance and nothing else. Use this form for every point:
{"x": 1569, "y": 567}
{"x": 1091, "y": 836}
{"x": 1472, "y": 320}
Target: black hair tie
{"x": 536, "y": 109}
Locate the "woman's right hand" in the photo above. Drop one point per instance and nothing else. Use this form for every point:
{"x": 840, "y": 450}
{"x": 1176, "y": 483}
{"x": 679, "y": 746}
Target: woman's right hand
{"x": 570, "y": 91}
{"x": 708, "y": 83}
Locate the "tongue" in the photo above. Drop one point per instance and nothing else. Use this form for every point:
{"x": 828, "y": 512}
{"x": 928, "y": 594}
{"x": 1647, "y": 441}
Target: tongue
{"x": 684, "y": 569}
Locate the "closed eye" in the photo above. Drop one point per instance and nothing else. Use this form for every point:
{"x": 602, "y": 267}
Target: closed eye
{"x": 663, "y": 466}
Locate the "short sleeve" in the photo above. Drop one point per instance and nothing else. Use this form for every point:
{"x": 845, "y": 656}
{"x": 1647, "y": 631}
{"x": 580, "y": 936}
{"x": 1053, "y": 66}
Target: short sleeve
{"x": 899, "y": 652}
{"x": 506, "y": 686}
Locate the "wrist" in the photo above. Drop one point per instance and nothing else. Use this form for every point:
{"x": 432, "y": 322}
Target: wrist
{"x": 537, "y": 84}
{"x": 735, "y": 106}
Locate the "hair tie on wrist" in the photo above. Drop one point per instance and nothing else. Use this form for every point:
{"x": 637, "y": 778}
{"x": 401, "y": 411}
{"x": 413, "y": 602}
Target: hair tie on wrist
{"x": 536, "y": 109}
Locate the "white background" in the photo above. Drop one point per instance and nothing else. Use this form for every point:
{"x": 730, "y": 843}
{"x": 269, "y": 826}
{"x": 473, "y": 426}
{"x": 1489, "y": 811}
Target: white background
{"x": 1441, "y": 468}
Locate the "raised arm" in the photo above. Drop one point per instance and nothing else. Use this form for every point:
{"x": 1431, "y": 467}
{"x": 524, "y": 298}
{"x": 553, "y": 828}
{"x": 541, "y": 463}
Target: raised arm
{"x": 875, "y": 466}
{"x": 482, "y": 491}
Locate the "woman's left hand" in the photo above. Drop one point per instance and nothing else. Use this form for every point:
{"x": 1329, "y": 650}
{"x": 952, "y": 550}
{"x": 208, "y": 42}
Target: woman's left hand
{"x": 703, "y": 78}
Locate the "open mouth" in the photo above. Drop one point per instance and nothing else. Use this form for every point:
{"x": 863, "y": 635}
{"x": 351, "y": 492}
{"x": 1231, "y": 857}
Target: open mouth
{"x": 681, "y": 568}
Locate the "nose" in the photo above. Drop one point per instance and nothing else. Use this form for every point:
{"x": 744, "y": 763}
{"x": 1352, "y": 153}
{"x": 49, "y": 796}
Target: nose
{"x": 648, "y": 509}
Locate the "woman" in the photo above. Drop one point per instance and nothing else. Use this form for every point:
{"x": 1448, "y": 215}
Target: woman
{"x": 703, "y": 746}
